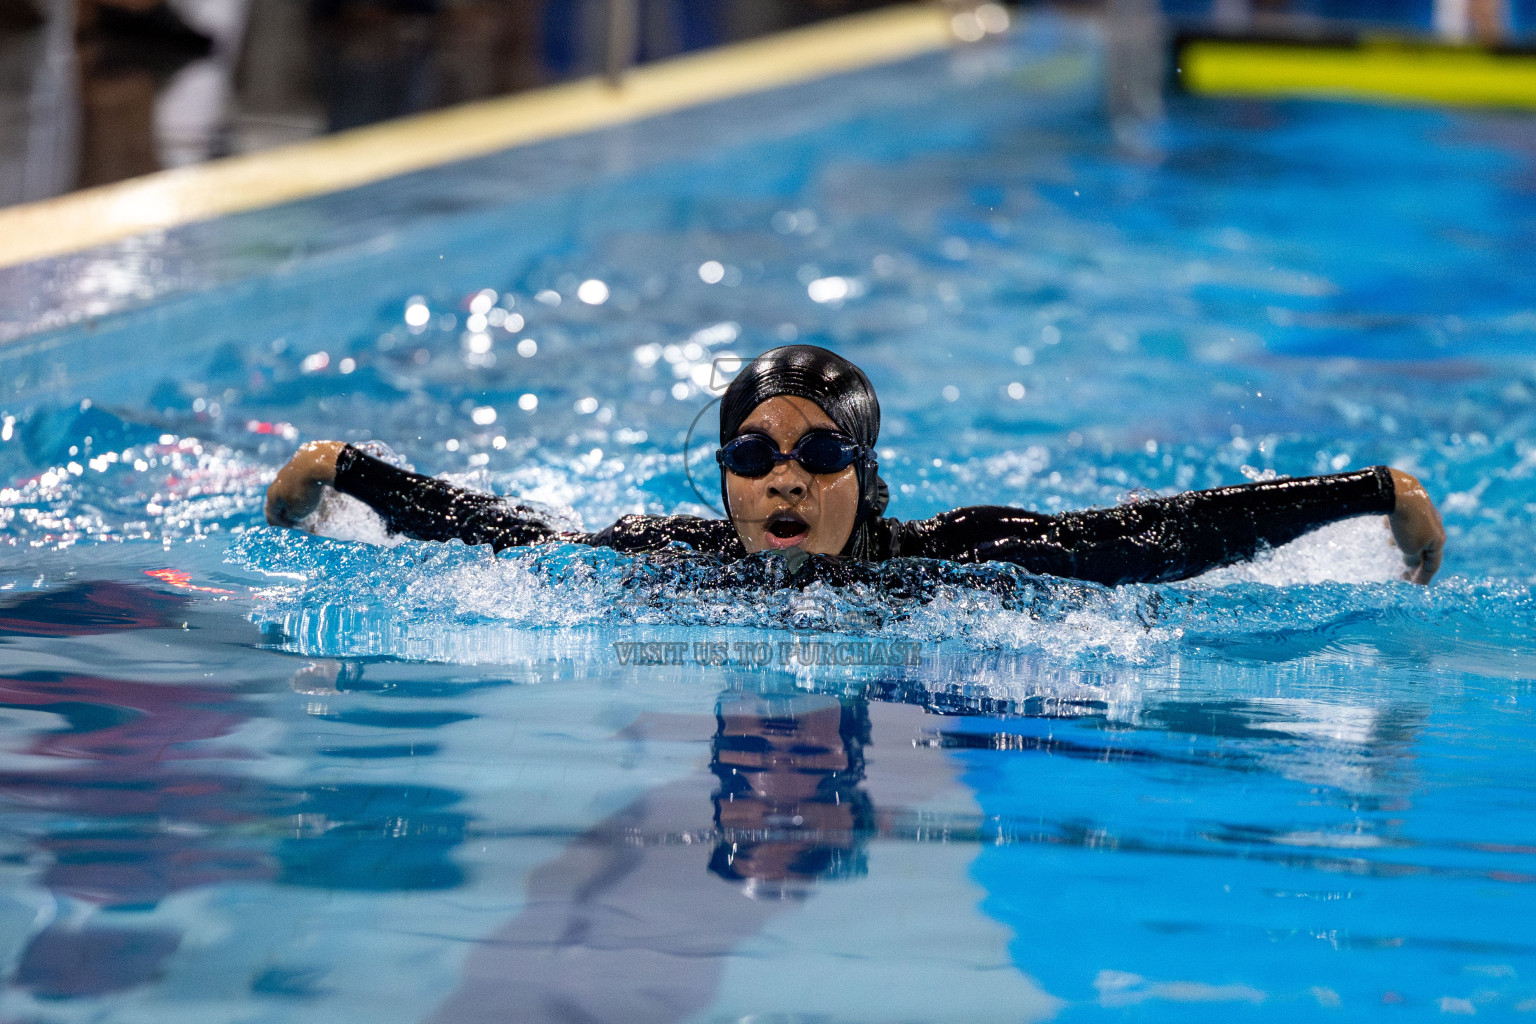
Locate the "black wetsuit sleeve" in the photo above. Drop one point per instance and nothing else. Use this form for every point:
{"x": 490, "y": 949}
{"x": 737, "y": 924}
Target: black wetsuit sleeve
{"x": 1149, "y": 541}
{"x": 429, "y": 509}
{"x": 652, "y": 533}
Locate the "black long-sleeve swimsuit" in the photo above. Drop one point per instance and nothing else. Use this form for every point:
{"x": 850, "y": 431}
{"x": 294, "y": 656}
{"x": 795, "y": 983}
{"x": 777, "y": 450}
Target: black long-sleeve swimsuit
{"x": 1150, "y": 541}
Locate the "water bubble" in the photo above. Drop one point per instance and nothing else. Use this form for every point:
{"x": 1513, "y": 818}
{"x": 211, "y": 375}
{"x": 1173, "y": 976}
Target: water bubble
{"x": 483, "y": 301}
{"x": 716, "y": 334}
{"x": 967, "y": 27}
{"x": 828, "y": 289}
{"x": 955, "y": 248}
{"x": 993, "y": 18}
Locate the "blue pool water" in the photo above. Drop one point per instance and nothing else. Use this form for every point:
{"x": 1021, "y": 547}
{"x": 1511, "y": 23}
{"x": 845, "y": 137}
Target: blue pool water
{"x": 260, "y": 775}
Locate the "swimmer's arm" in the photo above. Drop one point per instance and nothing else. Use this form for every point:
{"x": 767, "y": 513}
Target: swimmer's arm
{"x": 429, "y": 509}
{"x": 637, "y": 534}
{"x": 409, "y": 503}
{"x": 1175, "y": 538}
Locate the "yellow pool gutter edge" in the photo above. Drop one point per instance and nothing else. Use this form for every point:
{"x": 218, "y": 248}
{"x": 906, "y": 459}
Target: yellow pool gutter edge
{"x": 348, "y": 159}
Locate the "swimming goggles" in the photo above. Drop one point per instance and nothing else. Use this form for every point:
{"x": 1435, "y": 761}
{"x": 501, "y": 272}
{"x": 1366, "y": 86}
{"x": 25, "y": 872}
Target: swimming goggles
{"x": 819, "y": 451}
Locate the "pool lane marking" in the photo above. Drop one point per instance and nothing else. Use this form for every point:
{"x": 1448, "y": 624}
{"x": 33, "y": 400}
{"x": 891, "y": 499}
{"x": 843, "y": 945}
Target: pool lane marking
{"x": 348, "y": 159}
{"x": 1379, "y": 70}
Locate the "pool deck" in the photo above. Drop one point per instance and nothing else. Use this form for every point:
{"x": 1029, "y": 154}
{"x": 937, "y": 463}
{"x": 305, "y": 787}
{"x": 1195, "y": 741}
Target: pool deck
{"x": 349, "y": 159}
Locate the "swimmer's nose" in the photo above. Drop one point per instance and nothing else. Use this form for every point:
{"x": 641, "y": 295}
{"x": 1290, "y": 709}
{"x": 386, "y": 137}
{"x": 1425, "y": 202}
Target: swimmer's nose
{"x": 785, "y": 482}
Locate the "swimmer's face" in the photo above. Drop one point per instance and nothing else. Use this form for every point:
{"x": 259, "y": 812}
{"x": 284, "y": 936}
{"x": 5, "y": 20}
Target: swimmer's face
{"x": 792, "y": 507}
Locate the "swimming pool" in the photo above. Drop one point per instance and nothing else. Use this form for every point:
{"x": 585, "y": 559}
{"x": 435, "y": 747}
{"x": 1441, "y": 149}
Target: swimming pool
{"x": 256, "y": 775}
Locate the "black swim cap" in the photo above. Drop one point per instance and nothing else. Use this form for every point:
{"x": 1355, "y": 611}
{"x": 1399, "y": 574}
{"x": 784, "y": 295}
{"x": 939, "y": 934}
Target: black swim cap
{"x": 843, "y": 393}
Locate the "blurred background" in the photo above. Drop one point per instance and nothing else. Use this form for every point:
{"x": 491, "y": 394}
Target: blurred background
{"x": 95, "y": 91}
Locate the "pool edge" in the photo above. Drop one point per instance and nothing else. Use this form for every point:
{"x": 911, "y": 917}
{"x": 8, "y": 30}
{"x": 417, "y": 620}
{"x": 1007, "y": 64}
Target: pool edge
{"x": 172, "y": 198}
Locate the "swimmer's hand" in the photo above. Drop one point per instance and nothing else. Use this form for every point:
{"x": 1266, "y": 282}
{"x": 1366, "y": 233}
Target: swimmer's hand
{"x": 1416, "y": 528}
{"x": 299, "y": 485}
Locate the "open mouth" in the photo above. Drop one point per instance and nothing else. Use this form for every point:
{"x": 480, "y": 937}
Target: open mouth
{"x": 785, "y": 529}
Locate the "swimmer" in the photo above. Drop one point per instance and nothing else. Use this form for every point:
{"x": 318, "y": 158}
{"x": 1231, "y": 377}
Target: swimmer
{"x": 798, "y": 428}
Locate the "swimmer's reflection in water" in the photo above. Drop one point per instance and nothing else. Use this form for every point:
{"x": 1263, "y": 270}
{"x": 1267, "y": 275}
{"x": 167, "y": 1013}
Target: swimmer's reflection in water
{"x": 789, "y": 809}
{"x": 799, "y": 474}
{"x": 636, "y": 921}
